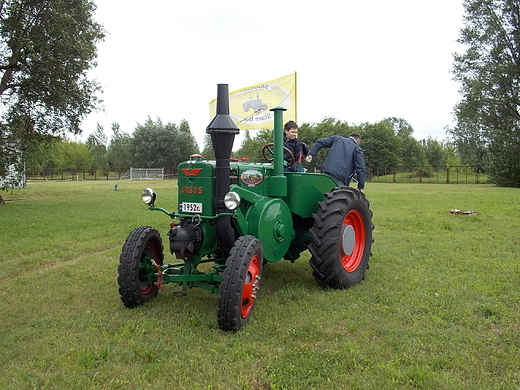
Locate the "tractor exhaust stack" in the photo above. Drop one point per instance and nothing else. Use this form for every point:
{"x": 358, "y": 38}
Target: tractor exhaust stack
{"x": 222, "y": 131}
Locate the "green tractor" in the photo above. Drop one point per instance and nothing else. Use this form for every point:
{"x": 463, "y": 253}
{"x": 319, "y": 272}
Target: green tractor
{"x": 238, "y": 216}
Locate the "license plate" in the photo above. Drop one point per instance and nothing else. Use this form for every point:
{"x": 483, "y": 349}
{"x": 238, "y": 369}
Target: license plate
{"x": 190, "y": 207}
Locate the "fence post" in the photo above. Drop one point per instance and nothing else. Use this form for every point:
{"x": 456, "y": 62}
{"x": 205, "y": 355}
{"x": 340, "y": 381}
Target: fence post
{"x": 447, "y": 175}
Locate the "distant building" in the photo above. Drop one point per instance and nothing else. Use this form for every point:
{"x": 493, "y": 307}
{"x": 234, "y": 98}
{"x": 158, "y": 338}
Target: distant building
{"x": 14, "y": 177}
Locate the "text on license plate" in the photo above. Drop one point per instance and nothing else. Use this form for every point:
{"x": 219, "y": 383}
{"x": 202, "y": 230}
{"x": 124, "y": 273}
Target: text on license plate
{"x": 190, "y": 207}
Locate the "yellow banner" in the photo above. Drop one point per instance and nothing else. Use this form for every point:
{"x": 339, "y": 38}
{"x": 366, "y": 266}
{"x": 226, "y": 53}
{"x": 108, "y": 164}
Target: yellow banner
{"x": 249, "y": 107}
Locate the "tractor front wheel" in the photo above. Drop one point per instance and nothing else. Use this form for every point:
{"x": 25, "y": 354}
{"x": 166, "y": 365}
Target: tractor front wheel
{"x": 240, "y": 283}
{"x": 341, "y": 238}
{"x": 141, "y": 254}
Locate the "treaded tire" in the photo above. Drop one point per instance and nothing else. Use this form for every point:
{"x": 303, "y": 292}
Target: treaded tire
{"x": 142, "y": 242}
{"x": 341, "y": 238}
{"x": 240, "y": 283}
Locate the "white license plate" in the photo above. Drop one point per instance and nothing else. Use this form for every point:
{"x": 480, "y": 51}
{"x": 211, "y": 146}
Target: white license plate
{"x": 190, "y": 207}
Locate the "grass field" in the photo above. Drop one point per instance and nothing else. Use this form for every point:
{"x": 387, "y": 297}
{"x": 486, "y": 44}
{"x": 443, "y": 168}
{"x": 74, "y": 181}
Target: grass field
{"x": 439, "y": 308}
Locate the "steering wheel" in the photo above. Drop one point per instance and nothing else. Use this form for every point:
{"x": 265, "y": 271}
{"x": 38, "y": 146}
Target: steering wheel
{"x": 268, "y": 153}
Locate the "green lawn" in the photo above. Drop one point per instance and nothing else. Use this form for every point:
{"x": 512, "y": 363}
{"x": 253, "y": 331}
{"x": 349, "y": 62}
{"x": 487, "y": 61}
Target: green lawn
{"x": 439, "y": 308}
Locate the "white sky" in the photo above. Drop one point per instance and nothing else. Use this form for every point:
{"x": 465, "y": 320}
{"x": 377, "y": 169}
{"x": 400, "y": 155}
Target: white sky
{"x": 356, "y": 61}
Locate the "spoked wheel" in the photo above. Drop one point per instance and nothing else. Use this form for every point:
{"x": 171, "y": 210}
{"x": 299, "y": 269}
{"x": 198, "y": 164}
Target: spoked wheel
{"x": 240, "y": 283}
{"x": 341, "y": 238}
{"x": 268, "y": 153}
{"x": 137, "y": 272}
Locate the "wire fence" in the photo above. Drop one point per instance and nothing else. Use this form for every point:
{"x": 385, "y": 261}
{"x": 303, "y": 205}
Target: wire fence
{"x": 456, "y": 174}
{"x": 399, "y": 174}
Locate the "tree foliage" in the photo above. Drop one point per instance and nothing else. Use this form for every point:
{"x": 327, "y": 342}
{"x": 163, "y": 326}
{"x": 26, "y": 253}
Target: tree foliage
{"x": 46, "y": 50}
{"x": 73, "y": 155}
{"x": 97, "y": 143}
{"x": 155, "y": 144}
{"x": 434, "y": 152}
{"x": 207, "y": 148}
{"x": 119, "y": 149}
{"x": 387, "y": 143}
{"x": 411, "y": 151}
{"x": 380, "y": 144}
{"x": 488, "y": 116}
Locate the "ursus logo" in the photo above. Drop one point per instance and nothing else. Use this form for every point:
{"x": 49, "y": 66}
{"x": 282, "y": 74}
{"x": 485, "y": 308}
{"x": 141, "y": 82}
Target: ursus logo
{"x": 191, "y": 171}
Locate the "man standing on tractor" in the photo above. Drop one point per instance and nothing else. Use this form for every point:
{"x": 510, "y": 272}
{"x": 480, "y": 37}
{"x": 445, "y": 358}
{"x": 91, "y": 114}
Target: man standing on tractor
{"x": 344, "y": 159}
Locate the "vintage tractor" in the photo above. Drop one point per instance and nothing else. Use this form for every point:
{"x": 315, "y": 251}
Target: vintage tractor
{"x": 256, "y": 104}
{"x": 233, "y": 217}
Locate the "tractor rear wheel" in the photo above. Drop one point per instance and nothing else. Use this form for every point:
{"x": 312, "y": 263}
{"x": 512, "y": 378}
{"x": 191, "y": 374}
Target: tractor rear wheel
{"x": 341, "y": 238}
{"x": 142, "y": 252}
{"x": 240, "y": 283}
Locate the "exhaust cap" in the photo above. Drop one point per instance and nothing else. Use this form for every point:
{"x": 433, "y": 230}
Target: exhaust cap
{"x": 222, "y": 122}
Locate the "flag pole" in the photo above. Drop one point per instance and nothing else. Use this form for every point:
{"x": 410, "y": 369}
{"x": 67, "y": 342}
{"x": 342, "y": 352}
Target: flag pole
{"x": 295, "y": 98}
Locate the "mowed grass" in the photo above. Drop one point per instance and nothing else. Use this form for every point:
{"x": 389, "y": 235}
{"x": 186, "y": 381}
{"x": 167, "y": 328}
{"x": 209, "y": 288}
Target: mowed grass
{"x": 439, "y": 307}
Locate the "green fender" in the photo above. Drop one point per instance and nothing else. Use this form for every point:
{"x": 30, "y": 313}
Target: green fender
{"x": 268, "y": 219}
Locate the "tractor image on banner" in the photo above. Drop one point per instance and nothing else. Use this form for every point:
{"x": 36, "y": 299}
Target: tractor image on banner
{"x": 237, "y": 216}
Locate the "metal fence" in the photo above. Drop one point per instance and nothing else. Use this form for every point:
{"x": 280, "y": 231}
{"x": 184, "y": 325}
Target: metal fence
{"x": 428, "y": 174}
{"x": 73, "y": 175}
{"x": 399, "y": 174}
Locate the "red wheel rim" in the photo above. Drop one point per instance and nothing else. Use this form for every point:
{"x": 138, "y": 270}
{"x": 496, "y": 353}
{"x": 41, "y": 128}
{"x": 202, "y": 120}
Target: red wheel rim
{"x": 251, "y": 286}
{"x": 143, "y": 287}
{"x": 352, "y": 240}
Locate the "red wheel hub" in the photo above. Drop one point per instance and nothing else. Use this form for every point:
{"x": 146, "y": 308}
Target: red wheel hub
{"x": 251, "y": 286}
{"x": 352, "y": 240}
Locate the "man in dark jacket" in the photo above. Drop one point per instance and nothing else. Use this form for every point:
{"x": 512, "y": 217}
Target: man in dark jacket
{"x": 345, "y": 158}
{"x": 298, "y": 148}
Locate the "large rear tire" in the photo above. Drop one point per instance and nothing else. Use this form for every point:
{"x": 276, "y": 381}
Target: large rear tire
{"x": 136, "y": 270}
{"x": 341, "y": 238}
{"x": 240, "y": 283}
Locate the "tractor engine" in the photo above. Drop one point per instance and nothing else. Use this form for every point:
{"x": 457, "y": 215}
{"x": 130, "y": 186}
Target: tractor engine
{"x": 202, "y": 186}
{"x": 185, "y": 238}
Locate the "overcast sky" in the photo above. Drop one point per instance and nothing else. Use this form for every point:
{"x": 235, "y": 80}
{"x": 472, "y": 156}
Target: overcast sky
{"x": 356, "y": 61}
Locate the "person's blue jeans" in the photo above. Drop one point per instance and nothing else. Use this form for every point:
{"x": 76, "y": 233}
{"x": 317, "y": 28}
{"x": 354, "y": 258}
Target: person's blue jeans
{"x": 339, "y": 182}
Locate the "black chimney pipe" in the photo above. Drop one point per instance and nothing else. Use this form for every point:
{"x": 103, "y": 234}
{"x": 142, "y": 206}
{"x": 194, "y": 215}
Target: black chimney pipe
{"x": 222, "y": 131}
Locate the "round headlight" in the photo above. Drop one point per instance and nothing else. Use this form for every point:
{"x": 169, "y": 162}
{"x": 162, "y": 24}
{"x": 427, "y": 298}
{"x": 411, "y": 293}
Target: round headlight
{"x": 148, "y": 196}
{"x": 231, "y": 200}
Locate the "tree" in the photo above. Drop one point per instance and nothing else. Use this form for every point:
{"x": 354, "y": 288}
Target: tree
{"x": 97, "y": 143}
{"x": 42, "y": 154}
{"x": 412, "y": 152}
{"x": 46, "y": 50}
{"x": 380, "y": 144}
{"x": 187, "y": 143}
{"x": 435, "y": 153}
{"x": 118, "y": 149}
{"x": 489, "y": 75}
{"x": 251, "y": 148}
{"x": 470, "y": 144}
{"x": 207, "y": 150}
{"x": 158, "y": 145}
{"x": 73, "y": 155}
